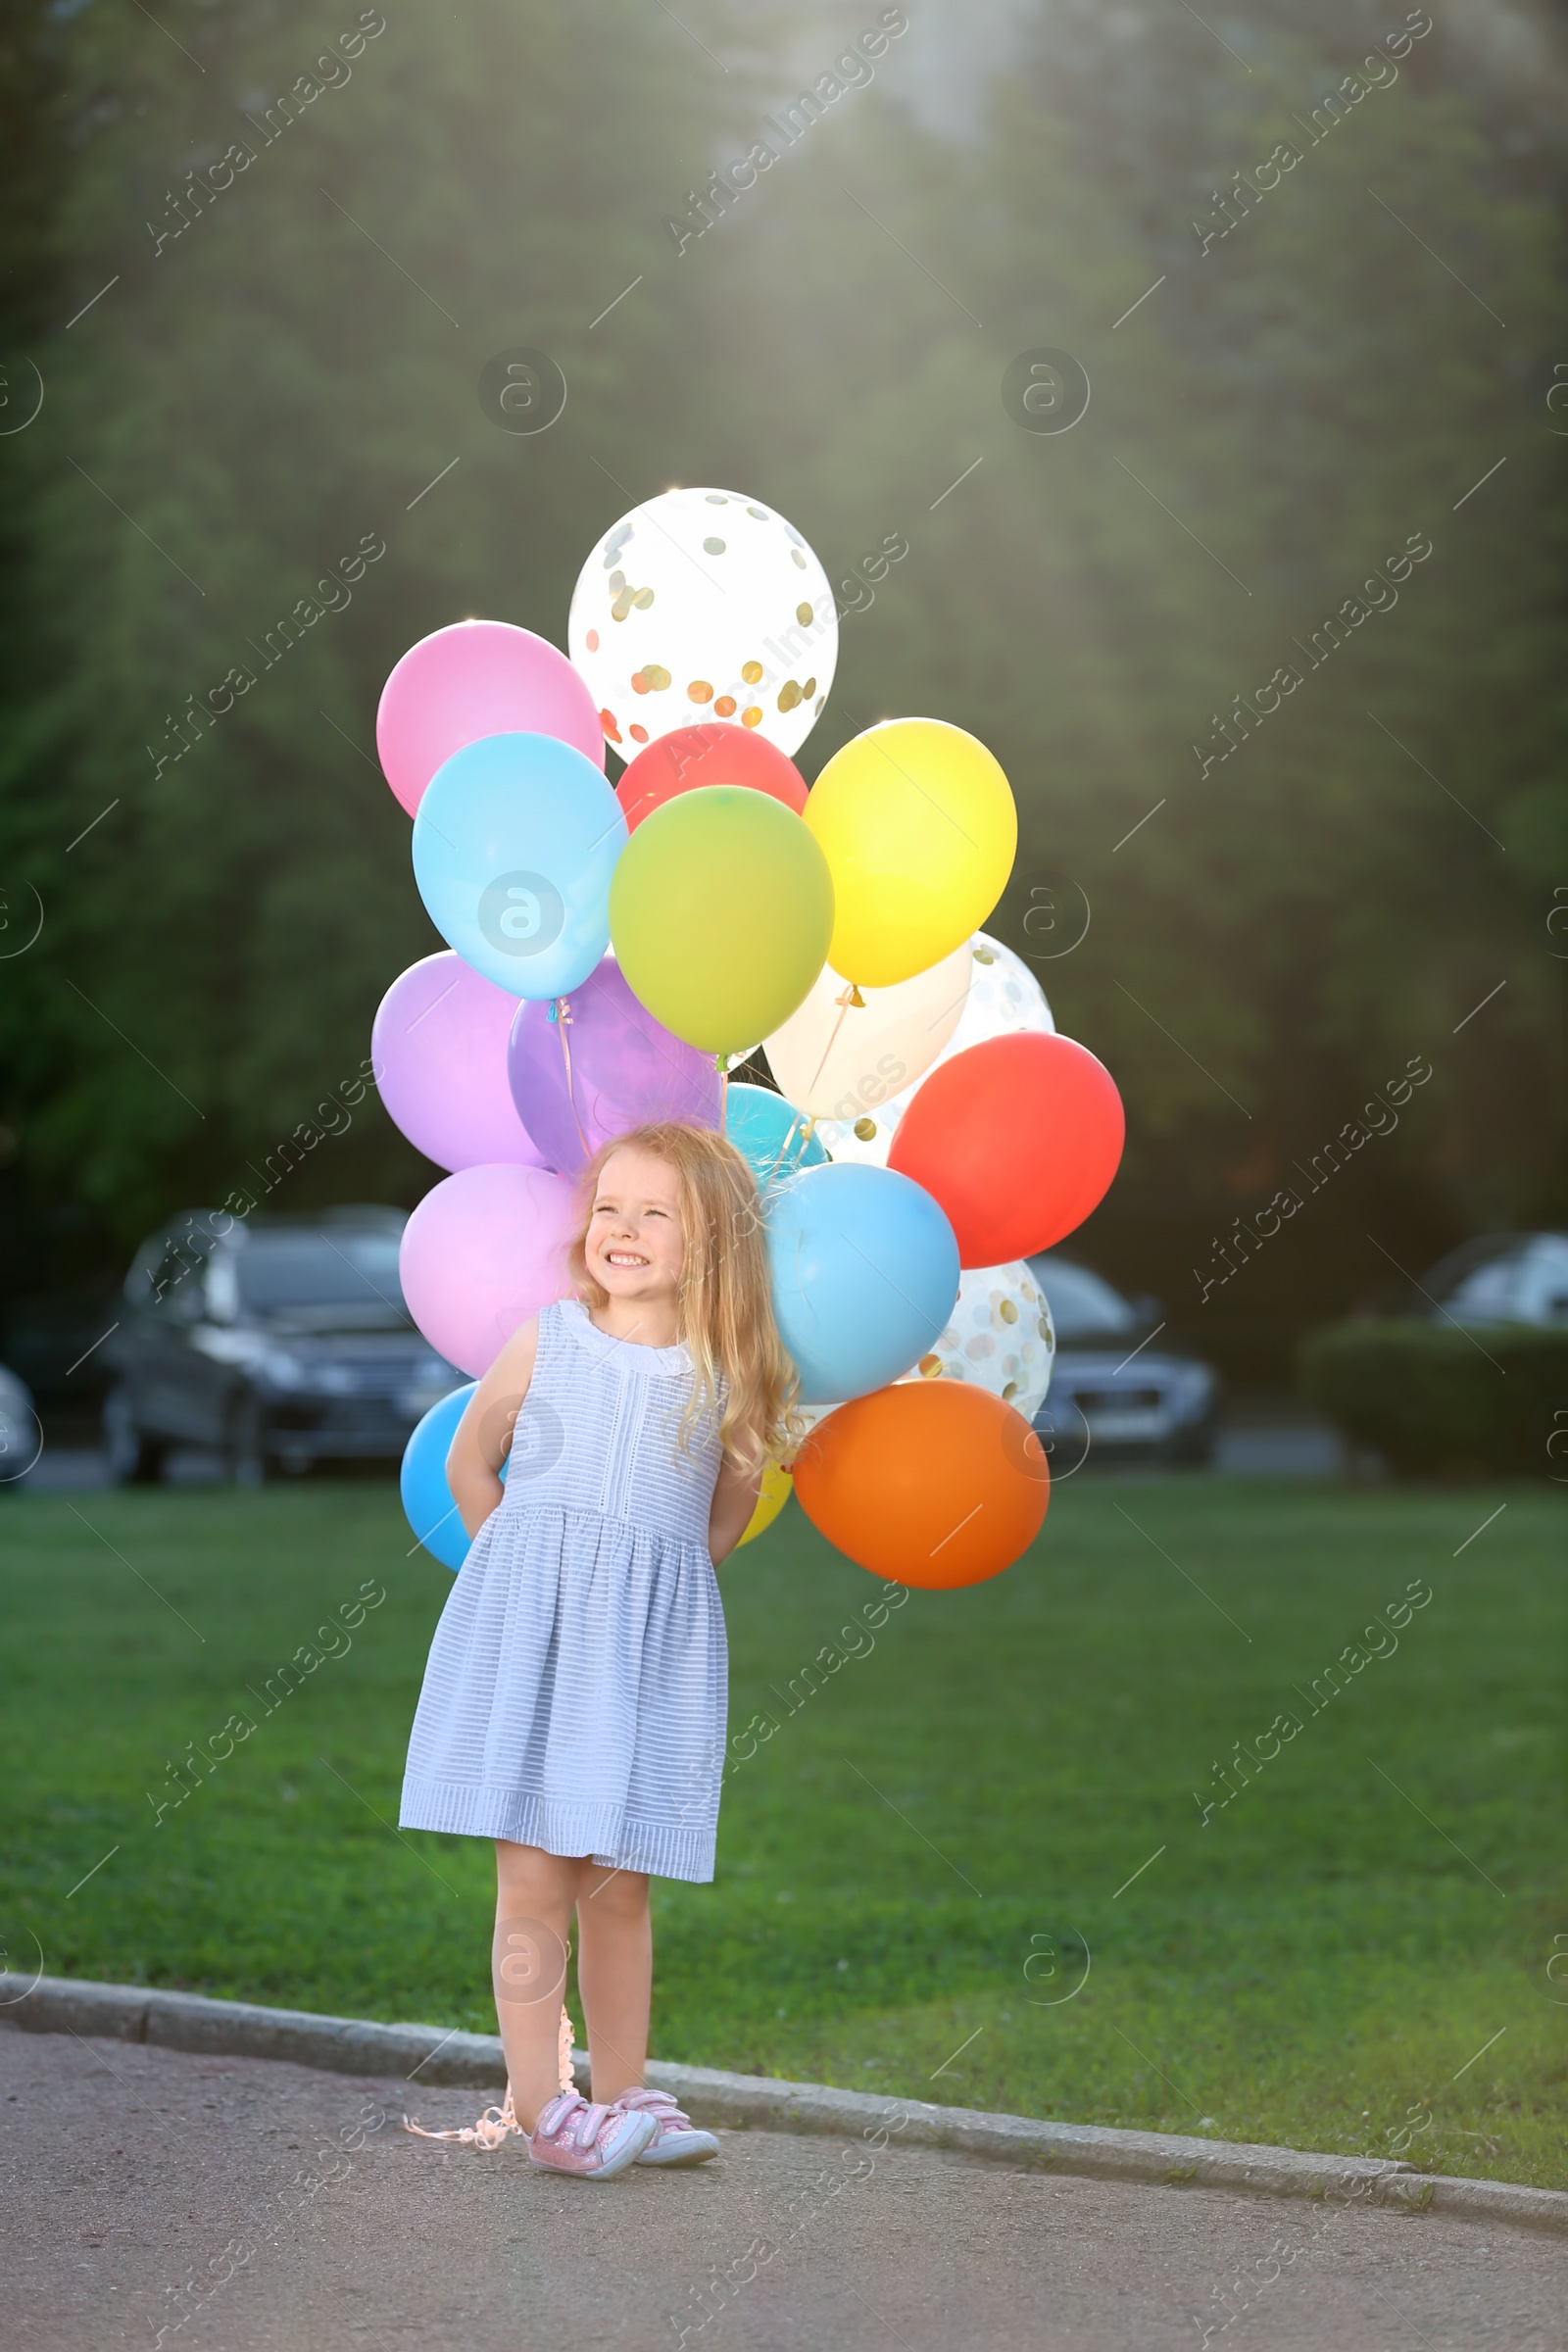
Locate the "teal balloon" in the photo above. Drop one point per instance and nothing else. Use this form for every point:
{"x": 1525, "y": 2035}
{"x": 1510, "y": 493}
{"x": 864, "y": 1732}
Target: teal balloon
{"x": 423, "y": 1480}
{"x": 865, "y": 1276}
{"x": 515, "y": 842}
{"x": 769, "y": 1133}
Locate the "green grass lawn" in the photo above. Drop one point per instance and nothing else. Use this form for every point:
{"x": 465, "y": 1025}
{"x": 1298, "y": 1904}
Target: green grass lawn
{"x": 919, "y": 1864}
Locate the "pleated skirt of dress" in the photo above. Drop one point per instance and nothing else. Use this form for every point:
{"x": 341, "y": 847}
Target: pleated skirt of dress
{"x": 575, "y": 1695}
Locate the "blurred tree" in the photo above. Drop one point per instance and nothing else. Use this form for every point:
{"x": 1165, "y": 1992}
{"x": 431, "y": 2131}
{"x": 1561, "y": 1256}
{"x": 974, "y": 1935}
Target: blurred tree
{"x": 1287, "y": 903}
{"x": 316, "y": 228}
{"x": 1283, "y": 904}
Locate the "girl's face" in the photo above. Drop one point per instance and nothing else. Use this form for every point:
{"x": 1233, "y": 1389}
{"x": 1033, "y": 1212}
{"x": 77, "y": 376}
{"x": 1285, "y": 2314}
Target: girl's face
{"x": 635, "y": 1246}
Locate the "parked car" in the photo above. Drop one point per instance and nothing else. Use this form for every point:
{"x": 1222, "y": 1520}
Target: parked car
{"x": 20, "y": 1436}
{"x": 280, "y": 1344}
{"x": 1500, "y": 1278}
{"x": 1114, "y": 1394}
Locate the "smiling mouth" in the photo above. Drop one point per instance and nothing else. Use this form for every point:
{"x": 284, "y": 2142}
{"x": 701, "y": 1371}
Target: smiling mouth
{"x": 623, "y": 1257}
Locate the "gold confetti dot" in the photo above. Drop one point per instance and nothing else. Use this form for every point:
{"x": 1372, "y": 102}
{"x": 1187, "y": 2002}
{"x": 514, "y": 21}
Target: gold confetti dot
{"x": 724, "y": 708}
{"x": 715, "y": 498}
{"x": 930, "y": 1366}
{"x": 789, "y": 695}
{"x": 1008, "y": 1311}
{"x": 713, "y": 546}
{"x": 820, "y": 700}
{"x": 984, "y": 956}
{"x": 698, "y": 691}
{"x": 807, "y": 689}
{"x": 1009, "y": 1392}
{"x": 752, "y": 717}
{"x": 803, "y": 614}
{"x": 761, "y": 513}
{"x": 637, "y": 734}
{"x": 643, "y": 598}
{"x": 622, "y": 606}
{"x": 618, "y": 581}
{"x": 752, "y": 672}
{"x": 865, "y": 1129}
{"x": 593, "y": 641}
{"x": 798, "y": 558}
{"x": 657, "y": 675}
{"x": 1045, "y": 1327}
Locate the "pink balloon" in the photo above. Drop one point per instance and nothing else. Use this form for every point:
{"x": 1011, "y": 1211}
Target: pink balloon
{"x": 482, "y": 1253}
{"x": 439, "y": 1052}
{"x": 476, "y": 679}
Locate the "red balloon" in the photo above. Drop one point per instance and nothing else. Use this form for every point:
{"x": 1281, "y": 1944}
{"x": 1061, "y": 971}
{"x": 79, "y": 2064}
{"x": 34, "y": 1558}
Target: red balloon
{"x": 713, "y": 753}
{"x": 1016, "y": 1141}
{"x": 929, "y": 1482}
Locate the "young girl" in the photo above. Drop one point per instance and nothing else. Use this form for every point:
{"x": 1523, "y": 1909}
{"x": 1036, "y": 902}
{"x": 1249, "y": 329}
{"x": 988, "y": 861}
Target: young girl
{"x": 575, "y": 1701}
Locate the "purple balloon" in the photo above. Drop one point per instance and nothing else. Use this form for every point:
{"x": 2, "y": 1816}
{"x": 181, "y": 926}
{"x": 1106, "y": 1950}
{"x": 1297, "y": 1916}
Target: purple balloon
{"x": 439, "y": 1052}
{"x": 626, "y": 1070}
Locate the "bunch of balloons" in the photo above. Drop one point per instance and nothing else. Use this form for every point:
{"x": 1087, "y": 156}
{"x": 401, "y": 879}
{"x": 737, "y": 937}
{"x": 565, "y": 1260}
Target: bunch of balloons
{"x": 612, "y": 950}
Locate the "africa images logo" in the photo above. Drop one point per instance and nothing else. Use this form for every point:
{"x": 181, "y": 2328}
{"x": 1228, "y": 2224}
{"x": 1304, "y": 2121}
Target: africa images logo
{"x": 522, "y": 913}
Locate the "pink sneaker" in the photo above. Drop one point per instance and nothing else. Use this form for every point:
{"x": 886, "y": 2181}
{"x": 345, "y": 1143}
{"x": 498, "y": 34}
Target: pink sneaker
{"x": 591, "y": 2142}
{"x": 676, "y": 2138}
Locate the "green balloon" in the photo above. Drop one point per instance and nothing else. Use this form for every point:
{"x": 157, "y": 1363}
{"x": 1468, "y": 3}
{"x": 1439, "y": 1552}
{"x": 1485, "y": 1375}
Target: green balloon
{"x": 720, "y": 913}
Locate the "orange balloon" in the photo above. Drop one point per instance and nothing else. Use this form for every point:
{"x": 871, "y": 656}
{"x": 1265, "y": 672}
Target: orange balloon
{"x": 932, "y": 1483}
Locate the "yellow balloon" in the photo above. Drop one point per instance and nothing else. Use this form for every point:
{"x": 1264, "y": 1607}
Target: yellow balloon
{"x": 777, "y": 1488}
{"x": 917, "y": 824}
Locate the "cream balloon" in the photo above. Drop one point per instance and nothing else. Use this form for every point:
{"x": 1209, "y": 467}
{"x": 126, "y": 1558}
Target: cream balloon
{"x": 836, "y": 1059}
{"x": 703, "y": 605}
{"x": 1003, "y": 999}
{"x": 998, "y": 1337}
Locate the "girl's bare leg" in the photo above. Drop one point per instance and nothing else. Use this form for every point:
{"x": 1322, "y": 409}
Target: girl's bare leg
{"x": 534, "y": 1895}
{"x": 614, "y": 1974}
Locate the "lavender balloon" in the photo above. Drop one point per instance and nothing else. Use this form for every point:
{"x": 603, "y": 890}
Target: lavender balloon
{"x": 439, "y": 1052}
{"x": 586, "y": 1069}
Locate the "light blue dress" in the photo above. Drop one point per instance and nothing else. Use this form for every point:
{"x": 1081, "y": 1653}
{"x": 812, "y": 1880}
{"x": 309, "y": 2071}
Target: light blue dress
{"x": 577, "y": 1683}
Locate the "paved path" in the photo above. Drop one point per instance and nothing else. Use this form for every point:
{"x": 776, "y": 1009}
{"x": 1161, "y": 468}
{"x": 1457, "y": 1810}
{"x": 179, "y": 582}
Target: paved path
{"x": 242, "y": 2205}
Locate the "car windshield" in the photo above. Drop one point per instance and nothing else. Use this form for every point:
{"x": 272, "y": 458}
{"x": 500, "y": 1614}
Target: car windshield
{"x": 321, "y": 1280}
{"x": 1524, "y": 1283}
{"x": 1083, "y": 1306}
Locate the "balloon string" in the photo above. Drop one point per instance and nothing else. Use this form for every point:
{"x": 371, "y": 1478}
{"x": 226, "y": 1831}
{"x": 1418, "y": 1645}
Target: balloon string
{"x": 562, "y": 1024}
{"x": 788, "y": 1137}
{"x": 851, "y": 995}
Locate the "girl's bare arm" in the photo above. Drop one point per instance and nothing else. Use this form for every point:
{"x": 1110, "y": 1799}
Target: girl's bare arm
{"x": 734, "y": 1501}
{"x": 484, "y": 1434}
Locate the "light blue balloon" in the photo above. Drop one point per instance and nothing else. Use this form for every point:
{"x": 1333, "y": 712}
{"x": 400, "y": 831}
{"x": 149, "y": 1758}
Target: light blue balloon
{"x": 426, "y": 1497}
{"x": 767, "y": 1132}
{"x": 865, "y": 1275}
{"x": 514, "y": 846}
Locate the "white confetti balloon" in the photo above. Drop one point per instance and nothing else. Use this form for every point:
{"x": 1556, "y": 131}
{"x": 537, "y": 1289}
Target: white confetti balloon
{"x": 1004, "y": 998}
{"x": 703, "y": 605}
{"x": 998, "y": 1337}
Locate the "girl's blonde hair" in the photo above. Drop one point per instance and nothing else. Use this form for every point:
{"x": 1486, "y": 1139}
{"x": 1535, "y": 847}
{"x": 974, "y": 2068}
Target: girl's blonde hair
{"x": 726, "y": 1304}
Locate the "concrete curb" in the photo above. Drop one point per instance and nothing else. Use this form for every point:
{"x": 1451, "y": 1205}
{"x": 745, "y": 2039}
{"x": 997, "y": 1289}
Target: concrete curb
{"x": 425, "y": 2055}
